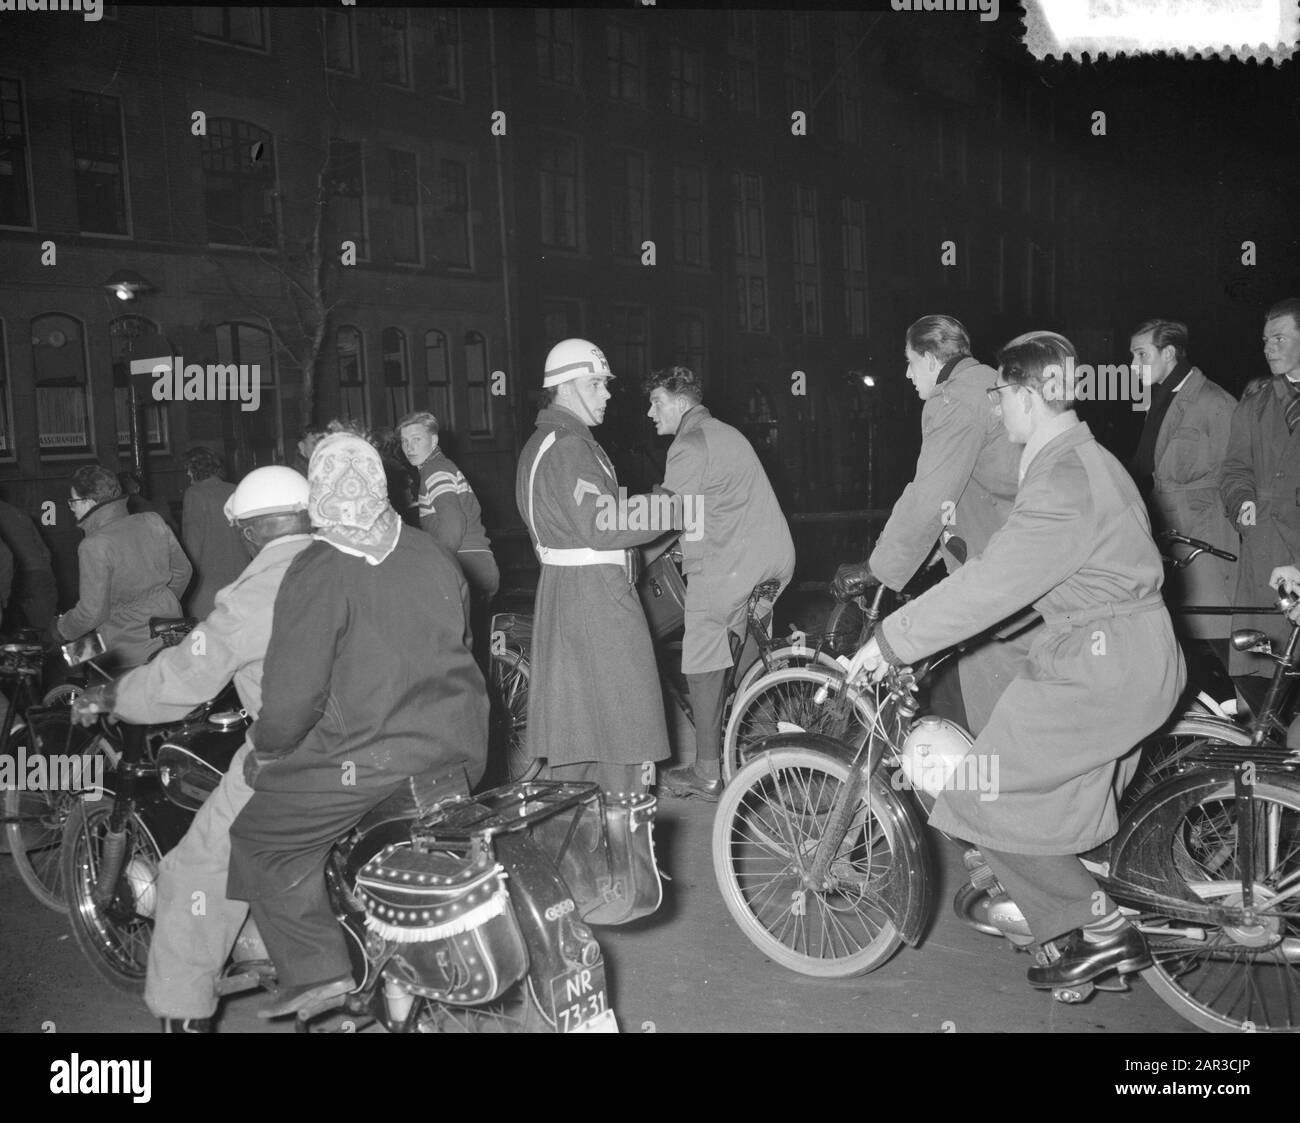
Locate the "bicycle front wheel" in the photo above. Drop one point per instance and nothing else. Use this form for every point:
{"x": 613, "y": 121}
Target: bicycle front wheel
{"x": 786, "y": 702}
{"x": 508, "y": 695}
{"x": 769, "y": 822}
{"x": 787, "y": 655}
{"x": 1243, "y": 976}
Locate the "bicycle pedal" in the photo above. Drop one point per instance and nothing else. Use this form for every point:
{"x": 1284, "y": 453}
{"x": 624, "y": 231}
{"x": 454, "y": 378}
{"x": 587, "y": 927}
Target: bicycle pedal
{"x": 1118, "y": 985}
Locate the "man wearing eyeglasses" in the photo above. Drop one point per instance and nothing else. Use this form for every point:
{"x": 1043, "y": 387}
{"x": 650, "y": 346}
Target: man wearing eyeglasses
{"x": 130, "y": 568}
{"x": 962, "y": 492}
{"x": 1104, "y": 671}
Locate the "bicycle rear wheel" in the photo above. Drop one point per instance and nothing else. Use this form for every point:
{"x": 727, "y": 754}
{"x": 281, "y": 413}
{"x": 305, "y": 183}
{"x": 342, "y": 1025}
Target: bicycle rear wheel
{"x": 508, "y": 695}
{"x": 786, "y": 702}
{"x": 1242, "y": 976}
{"x": 769, "y": 822}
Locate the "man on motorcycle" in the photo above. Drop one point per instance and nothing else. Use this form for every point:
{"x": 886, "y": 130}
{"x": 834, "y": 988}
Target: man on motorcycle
{"x": 369, "y": 682}
{"x": 191, "y": 945}
{"x": 1103, "y": 673}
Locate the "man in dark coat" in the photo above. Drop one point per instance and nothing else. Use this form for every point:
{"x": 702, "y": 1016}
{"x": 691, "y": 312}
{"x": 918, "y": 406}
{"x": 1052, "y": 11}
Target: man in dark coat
{"x": 1078, "y": 546}
{"x": 130, "y": 568}
{"x": 1176, "y": 466}
{"x": 595, "y": 708}
{"x": 1260, "y": 488}
{"x": 34, "y": 597}
{"x": 736, "y": 537}
{"x": 212, "y": 544}
{"x": 962, "y": 492}
{"x": 368, "y": 681}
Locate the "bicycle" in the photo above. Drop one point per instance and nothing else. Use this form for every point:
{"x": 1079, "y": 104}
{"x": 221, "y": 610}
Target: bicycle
{"x": 822, "y": 860}
{"x": 56, "y": 765}
{"x": 509, "y": 662}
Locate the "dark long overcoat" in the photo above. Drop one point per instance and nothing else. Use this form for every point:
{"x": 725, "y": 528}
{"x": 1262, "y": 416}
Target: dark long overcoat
{"x": 1262, "y": 464}
{"x": 594, "y": 690}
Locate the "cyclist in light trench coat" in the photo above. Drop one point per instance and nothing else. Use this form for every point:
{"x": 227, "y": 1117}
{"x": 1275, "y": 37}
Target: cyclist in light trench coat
{"x": 735, "y": 538}
{"x": 1104, "y": 672}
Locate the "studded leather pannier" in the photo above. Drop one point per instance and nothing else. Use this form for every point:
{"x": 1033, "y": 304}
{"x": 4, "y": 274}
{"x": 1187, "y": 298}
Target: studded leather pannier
{"x": 606, "y": 856}
{"x": 447, "y": 922}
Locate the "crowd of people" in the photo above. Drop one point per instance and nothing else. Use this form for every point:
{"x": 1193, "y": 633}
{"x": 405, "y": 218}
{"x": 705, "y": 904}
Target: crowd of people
{"x": 350, "y": 633}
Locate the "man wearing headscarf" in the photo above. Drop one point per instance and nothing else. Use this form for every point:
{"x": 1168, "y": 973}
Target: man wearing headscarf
{"x": 368, "y": 682}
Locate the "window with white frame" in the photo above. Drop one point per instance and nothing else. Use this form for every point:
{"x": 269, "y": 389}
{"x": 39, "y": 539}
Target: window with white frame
{"x": 238, "y": 188}
{"x": 447, "y": 76}
{"x": 477, "y": 385}
{"x": 690, "y": 216}
{"x": 6, "y": 429}
{"x": 250, "y": 346}
{"x": 437, "y": 376}
{"x": 807, "y": 262}
{"x": 395, "y": 46}
{"x": 338, "y": 30}
{"x": 15, "y": 191}
{"x": 623, "y": 68}
{"x": 690, "y": 340}
{"x": 685, "y": 71}
{"x": 629, "y": 205}
{"x": 750, "y": 252}
{"x": 404, "y": 206}
{"x": 630, "y": 341}
{"x": 62, "y": 388}
{"x": 348, "y": 194}
{"x": 558, "y": 181}
{"x": 853, "y": 234}
{"x": 244, "y": 27}
{"x": 350, "y": 354}
{"x": 99, "y": 163}
{"x": 397, "y": 379}
{"x": 556, "y": 45}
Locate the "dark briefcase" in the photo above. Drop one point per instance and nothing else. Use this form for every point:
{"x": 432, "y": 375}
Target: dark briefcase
{"x": 663, "y": 595}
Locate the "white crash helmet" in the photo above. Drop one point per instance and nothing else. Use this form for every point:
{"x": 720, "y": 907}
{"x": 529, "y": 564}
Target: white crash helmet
{"x": 268, "y": 491}
{"x": 574, "y": 358}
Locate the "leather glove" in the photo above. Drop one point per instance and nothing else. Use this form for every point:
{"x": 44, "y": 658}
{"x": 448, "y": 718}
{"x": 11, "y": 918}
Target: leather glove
{"x": 851, "y": 580}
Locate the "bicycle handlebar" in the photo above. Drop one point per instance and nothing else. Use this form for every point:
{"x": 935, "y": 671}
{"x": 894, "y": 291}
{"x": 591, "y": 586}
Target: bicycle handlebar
{"x": 1198, "y": 547}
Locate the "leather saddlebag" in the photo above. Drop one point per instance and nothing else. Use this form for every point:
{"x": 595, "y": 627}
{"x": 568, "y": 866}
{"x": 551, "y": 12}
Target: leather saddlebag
{"x": 446, "y": 923}
{"x": 607, "y": 858}
{"x": 663, "y": 596}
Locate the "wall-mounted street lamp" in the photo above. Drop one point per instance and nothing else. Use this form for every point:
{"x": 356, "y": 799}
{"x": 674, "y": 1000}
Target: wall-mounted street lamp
{"x": 127, "y": 285}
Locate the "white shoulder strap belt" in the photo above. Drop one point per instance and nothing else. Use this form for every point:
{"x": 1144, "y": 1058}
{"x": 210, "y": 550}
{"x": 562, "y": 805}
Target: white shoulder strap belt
{"x": 582, "y": 555}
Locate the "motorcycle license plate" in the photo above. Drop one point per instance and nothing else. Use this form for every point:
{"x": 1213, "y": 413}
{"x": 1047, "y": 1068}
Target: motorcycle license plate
{"x": 578, "y": 999}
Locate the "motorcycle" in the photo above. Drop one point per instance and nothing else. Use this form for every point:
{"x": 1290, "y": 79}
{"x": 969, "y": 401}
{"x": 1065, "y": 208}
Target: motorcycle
{"x": 461, "y": 914}
{"x": 821, "y": 855}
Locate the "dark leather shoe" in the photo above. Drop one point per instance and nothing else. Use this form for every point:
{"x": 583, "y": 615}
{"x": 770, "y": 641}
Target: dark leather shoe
{"x": 1082, "y": 961}
{"x": 187, "y": 1025}
{"x": 684, "y": 781}
{"x": 292, "y": 999}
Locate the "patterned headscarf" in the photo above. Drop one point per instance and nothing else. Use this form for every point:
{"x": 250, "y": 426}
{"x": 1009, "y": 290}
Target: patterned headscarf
{"x": 349, "y": 505}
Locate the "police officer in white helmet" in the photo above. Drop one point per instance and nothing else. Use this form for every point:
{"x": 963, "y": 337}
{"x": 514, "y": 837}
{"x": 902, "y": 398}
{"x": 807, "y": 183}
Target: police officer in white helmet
{"x": 595, "y": 709}
{"x": 188, "y": 951}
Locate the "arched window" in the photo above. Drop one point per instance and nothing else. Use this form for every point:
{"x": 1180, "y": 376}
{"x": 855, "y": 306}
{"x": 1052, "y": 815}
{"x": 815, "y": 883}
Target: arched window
{"x": 62, "y": 393}
{"x": 437, "y": 372}
{"x": 126, "y": 338}
{"x": 476, "y": 380}
{"x": 238, "y": 183}
{"x": 397, "y": 380}
{"x": 350, "y": 351}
